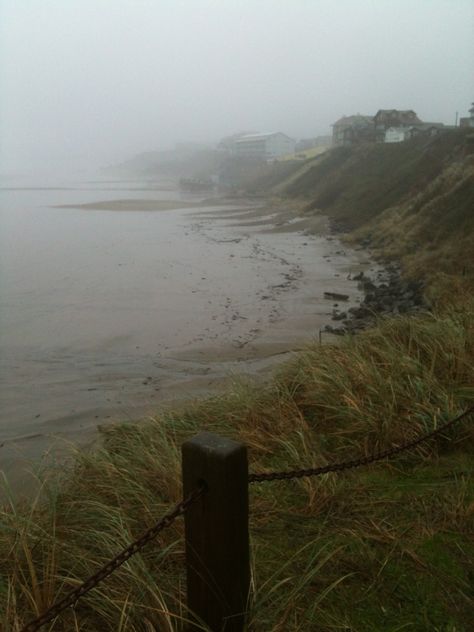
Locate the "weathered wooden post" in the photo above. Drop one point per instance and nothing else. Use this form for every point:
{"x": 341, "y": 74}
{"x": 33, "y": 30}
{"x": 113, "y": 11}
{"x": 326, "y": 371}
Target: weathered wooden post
{"x": 216, "y": 531}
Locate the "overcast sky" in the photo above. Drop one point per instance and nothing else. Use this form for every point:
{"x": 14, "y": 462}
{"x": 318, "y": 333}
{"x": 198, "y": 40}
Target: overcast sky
{"x": 95, "y": 81}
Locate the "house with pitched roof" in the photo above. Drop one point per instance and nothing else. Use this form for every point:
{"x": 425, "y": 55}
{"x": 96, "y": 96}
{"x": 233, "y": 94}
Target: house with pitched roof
{"x": 349, "y": 130}
{"x": 387, "y": 126}
{"x": 398, "y": 119}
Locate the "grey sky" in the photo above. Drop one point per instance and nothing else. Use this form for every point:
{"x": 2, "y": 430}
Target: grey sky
{"x": 98, "y": 80}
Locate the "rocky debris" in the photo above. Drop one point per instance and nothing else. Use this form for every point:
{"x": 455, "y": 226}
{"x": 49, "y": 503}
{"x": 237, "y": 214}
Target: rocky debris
{"x": 338, "y": 226}
{"x": 387, "y": 295}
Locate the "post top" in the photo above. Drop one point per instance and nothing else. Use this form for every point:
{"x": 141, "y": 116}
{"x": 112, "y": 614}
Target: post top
{"x": 213, "y": 443}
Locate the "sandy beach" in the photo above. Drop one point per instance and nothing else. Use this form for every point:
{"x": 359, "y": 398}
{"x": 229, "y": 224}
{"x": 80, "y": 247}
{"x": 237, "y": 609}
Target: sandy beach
{"x": 139, "y": 310}
{"x": 131, "y": 205}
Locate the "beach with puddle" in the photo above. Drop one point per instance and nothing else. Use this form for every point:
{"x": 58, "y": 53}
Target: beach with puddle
{"x": 116, "y": 300}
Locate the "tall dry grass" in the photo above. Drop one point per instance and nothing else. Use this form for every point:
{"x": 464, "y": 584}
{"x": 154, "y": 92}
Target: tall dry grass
{"x": 394, "y": 540}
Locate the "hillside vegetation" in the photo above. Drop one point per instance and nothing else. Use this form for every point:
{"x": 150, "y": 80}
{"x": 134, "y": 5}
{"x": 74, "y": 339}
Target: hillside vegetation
{"x": 388, "y": 547}
{"x": 412, "y": 201}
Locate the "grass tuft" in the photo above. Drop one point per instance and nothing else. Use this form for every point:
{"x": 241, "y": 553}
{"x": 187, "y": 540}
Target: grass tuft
{"x": 394, "y": 540}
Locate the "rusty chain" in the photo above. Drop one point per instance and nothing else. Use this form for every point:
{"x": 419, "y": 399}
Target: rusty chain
{"x": 365, "y": 460}
{"x": 71, "y": 598}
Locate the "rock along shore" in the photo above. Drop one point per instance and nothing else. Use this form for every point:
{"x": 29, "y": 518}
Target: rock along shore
{"x": 385, "y": 294}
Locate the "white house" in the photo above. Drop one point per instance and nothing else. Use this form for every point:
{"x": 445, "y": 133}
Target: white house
{"x": 395, "y": 134}
{"x": 264, "y": 146}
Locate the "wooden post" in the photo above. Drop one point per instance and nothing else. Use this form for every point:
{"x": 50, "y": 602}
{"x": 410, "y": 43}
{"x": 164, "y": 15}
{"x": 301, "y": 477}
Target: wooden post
{"x": 216, "y": 531}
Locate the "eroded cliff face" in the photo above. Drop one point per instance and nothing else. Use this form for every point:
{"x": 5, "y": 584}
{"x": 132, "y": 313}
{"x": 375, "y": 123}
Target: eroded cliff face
{"x": 432, "y": 231}
{"x": 413, "y": 201}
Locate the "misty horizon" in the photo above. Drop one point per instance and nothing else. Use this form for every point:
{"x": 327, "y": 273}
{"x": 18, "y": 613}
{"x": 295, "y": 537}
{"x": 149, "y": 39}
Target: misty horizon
{"x": 85, "y": 86}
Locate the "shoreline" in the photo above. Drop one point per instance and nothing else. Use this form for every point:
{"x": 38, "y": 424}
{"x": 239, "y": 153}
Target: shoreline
{"x": 151, "y": 205}
{"x": 209, "y": 365}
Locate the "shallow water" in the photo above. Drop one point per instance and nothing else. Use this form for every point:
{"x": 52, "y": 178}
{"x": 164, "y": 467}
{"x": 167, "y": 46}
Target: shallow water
{"x": 103, "y": 313}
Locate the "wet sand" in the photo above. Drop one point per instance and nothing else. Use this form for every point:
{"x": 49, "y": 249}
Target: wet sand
{"x": 245, "y": 291}
{"x": 131, "y": 205}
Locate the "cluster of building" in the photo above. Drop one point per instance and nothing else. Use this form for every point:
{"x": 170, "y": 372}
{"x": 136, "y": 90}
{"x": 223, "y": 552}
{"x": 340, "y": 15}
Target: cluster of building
{"x": 387, "y": 126}
{"x": 270, "y": 145}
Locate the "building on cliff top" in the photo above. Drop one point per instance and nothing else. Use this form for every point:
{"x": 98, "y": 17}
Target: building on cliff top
{"x": 401, "y": 119}
{"x": 387, "y": 126}
{"x": 399, "y": 134}
{"x": 263, "y": 146}
{"x": 468, "y": 121}
{"x": 349, "y": 130}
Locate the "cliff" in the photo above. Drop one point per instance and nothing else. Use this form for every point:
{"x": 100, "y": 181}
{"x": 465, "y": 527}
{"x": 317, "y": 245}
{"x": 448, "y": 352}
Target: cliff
{"x": 413, "y": 201}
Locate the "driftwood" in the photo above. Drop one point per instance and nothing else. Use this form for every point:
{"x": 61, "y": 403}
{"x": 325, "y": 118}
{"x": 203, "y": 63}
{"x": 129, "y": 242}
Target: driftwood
{"x": 336, "y": 297}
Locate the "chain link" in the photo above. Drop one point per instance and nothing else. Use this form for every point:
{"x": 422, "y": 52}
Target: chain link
{"x": 365, "y": 460}
{"x": 71, "y": 598}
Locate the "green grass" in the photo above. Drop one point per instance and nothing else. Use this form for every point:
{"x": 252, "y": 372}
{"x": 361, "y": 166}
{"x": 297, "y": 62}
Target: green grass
{"x": 357, "y": 183}
{"x": 387, "y": 547}
{"x": 413, "y": 200}
{"x": 433, "y": 231}
{"x": 383, "y": 548}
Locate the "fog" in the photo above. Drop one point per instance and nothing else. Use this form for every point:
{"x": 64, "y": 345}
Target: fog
{"x": 86, "y": 83}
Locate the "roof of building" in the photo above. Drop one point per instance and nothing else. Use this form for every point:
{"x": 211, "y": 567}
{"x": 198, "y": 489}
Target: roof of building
{"x": 259, "y": 136}
{"x": 226, "y": 140}
{"x": 354, "y": 118}
{"x": 409, "y": 115}
{"x": 392, "y": 110}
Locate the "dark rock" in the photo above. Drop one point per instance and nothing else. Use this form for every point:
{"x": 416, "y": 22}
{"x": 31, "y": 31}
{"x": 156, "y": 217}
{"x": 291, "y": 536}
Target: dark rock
{"x": 368, "y": 286}
{"x": 386, "y": 305}
{"x": 361, "y": 312}
{"x": 389, "y": 294}
{"x": 405, "y": 306}
{"x": 356, "y": 325}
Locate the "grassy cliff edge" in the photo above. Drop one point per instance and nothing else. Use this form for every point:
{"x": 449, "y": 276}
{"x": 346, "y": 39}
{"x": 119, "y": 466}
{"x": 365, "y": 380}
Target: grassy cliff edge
{"x": 387, "y": 547}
